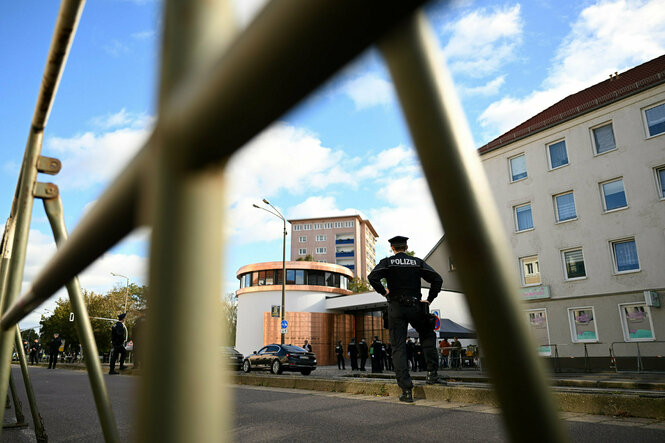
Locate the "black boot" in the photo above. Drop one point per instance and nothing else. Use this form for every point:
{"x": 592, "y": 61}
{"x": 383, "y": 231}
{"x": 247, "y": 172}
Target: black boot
{"x": 406, "y": 396}
{"x": 433, "y": 378}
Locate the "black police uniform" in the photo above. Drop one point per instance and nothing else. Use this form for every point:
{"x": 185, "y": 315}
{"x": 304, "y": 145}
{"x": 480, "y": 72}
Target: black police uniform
{"x": 353, "y": 355}
{"x": 403, "y": 273}
{"x": 118, "y": 340}
{"x": 339, "y": 350}
{"x": 364, "y": 353}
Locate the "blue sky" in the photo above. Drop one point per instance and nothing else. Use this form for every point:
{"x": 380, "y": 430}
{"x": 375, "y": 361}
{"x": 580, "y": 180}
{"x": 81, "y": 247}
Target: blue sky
{"x": 345, "y": 150}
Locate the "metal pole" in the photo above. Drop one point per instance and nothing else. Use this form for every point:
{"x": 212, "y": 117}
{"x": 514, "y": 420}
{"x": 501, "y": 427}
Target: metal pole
{"x": 65, "y": 27}
{"x": 54, "y": 212}
{"x": 467, "y": 211}
{"x": 283, "y": 276}
{"x": 182, "y": 398}
{"x": 40, "y": 433}
{"x": 18, "y": 409}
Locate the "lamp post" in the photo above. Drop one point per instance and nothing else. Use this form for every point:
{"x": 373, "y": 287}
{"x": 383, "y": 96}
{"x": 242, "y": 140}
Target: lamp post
{"x": 279, "y": 215}
{"x": 126, "y": 288}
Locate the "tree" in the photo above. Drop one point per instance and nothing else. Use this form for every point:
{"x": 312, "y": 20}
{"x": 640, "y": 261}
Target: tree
{"x": 359, "y": 285}
{"x": 29, "y": 334}
{"x": 230, "y": 318}
{"x": 308, "y": 257}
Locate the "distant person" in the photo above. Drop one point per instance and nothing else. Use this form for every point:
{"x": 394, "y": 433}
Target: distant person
{"x": 352, "y": 351}
{"x": 25, "y": 347}
{"x": 444, "y": 351}
{"x": 456, "y": 353}
{"x": 307, "y": 346}
{"x": 388, "y": 357}
{"x": 376, "y": 354}
{"x": 34, "y": 352}
{"x": 339, "y": 350}
{"x": 364, "y": 353}
{"x": 118, "y": 341}
{"x": 54, "y": 349}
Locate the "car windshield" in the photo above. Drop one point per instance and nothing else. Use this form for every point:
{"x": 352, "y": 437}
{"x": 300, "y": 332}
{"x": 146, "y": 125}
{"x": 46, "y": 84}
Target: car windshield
{"x": 291, "y": 348}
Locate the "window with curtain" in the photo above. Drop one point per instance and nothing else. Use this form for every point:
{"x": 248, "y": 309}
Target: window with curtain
{"x": 614, "y": 195}
{"x": 574, "y": 263}
{"x": 518, "y": 168}
{"x": 523, "y": 217}
{"x": 565, "y": 207}
{"x": 655, "y": 119}
{"x": 625, "y": 255}
{"x": 558, "y": 154}
{"x": 603, "y": 138}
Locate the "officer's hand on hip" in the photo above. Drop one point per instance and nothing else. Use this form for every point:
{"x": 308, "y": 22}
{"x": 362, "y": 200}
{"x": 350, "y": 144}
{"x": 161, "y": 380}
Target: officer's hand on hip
{"x": 425, "y": 301}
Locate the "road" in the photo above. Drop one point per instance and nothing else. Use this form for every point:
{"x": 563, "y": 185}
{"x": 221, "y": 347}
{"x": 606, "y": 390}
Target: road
{"x": 269, "y": 414}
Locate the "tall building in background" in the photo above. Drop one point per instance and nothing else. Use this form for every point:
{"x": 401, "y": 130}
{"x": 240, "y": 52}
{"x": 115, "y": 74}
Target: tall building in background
{"x": 345, "y": 240}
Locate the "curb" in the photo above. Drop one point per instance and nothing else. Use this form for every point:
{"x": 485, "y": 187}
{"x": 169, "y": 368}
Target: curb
{"x": 598, "y": 403}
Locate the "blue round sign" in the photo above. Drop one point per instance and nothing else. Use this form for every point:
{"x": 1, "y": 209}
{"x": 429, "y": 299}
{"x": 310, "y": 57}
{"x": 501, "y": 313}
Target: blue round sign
{"x": 285, "y": 324}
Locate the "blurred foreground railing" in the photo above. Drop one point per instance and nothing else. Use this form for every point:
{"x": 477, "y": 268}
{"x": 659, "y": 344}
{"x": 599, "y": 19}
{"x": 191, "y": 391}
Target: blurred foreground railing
{"x": 217, "y": 91}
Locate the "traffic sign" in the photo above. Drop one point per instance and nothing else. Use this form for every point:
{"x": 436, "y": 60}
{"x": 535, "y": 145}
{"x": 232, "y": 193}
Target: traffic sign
{"x": 285, "y": 324}
{"x": 437, "y": 324}
{"x": 284, "y": 331}
{"x": 436, "y": 312}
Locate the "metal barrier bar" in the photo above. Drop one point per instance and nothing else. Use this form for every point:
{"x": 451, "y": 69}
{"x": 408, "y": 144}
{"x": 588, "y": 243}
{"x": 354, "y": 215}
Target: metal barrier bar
{"x": 68, "y": 18}
{"x": 18, "y": 409}
{"x": 54, "y": 212}
{"x": 473, "y": 227}
{"x": 208, "y": 118}
{"x": 40, "y": 432}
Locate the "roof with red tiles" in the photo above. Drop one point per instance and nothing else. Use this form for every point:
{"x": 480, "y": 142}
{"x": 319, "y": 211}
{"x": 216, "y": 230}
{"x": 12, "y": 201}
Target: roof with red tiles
{"x": 617, "y": 87}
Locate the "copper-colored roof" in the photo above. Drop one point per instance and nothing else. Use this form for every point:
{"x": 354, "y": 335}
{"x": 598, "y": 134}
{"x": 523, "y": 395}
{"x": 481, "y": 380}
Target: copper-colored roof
{"x": 632, "y": 81}
{"x": 317, "y": 266}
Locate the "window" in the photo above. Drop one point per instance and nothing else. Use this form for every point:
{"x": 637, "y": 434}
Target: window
{"x": 302, "y": 251}
{"x": 582, "y": 325}
{"x": 318, "y": 225}
{"x": 337, "y": 224}
{"x": 603, "y": 138}
{"x": 307, "y": 227}
{"x": 530, "y": 271}
{"x": 321, "y": 238}
{"x": 349, "y": 224}
{"x": 660, "y": 181}
{"x": 321, "y": 250}
{"x": 300, "y": 277}
{"x": 564, "y": 207}
{"x": 327, "y": 225}
{"x": 290, "y": 277}
{"x": 624, "y": 254}
{"x": 573, "y": 263}
{"x": 322, "y": 261}
{"x": 636, "y": 322}
{"x": 539, "y": 330}
{"x": 655, "y": 119}
{"x": 557, "y": 154}
{"x": 517, "y": 168}
{"x": 302, "y": 239}
{"x": 297, "y": 227}
{"x": 614, "y": 195}
{"x": 523, "y": 218}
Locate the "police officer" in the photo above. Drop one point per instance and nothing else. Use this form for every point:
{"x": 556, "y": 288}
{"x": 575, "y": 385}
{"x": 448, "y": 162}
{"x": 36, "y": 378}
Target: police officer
{"x": 403, "y": 273}
{"x": 339, "y": 350}
{"x": 118, "y": 341}
{"x": 353, "y": 354}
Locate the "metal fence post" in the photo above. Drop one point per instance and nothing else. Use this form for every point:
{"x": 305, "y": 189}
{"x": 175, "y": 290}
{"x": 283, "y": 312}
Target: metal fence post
{"x": 467, "y": 211}
{"x": 18, "y": 409}
{"x": 54, "y": 212}
{"x": 182, "y": 398}
{"x": 40, "y": 433}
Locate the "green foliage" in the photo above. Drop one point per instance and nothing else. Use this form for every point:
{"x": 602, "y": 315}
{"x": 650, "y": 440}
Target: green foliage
{"x": 359, "y": 285}
{"x": 308, "y": 257}
{"x": 230, "y": 318}
{"x": 411, "y": 253}
{"x": 29, "y": 334}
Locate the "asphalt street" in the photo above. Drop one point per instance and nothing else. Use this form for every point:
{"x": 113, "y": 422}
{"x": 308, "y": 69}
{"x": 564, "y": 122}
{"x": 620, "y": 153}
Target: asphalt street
{"x": 272, "y": 414}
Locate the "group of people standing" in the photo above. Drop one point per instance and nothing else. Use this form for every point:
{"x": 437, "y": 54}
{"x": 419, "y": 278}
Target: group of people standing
{"x": 380, "y": 355}
{"x": 450, "y": 354}
{"x": 34, "y": 350}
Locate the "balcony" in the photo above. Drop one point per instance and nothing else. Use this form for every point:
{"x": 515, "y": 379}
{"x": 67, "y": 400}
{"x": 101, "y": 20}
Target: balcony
{"x": 347, "y": 241}
{"x": 344, "y": 254}
{"x": 351, "y": 267}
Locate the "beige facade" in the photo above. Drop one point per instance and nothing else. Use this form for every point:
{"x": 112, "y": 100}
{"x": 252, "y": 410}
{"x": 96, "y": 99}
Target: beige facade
{"x": 346, "y": 240}
{"x": 587, "y": 232}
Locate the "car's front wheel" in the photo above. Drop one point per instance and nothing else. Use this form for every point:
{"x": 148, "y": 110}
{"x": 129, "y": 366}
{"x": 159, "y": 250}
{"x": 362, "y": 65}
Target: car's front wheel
{"x": 246, "y": 366}
{"x": 276, "y": 367}
{"x": 306, "y": 371}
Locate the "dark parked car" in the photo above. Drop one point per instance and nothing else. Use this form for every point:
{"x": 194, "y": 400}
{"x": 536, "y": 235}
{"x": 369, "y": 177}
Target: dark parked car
{"x": 232, "y": 358}
{"x": 278, "y": 358}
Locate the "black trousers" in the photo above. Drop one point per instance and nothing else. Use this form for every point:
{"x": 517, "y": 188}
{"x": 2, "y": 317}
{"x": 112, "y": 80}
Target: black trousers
{"x": 52, "y": 360}
{"x": 340, "y": 362}
{"x": 354, "y": 362}
{"x": 33, "y": 358}
{"x": 362, "y": 363}
{"x": 114, "y": 356}
{"x": 399, "y": 317}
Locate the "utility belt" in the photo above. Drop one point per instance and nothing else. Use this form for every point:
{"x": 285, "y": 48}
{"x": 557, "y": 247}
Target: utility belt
{"x": 403, "y": 300}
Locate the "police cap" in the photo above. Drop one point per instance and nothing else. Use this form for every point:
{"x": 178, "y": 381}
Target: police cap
{"x": 398, "y": 241}
{"x": 122, "y": 316}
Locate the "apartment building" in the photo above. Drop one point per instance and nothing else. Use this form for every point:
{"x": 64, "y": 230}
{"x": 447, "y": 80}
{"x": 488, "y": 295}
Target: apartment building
{"x": 580, "y": 188}
{"x": 345, "y": 240}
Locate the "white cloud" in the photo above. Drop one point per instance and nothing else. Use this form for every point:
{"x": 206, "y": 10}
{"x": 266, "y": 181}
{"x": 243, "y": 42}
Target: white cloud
{"x": 319, "y": 206}
{"x": 482, "y": 41}
{"x": 400, "y": 156}
{"x": 369, "y": 90}
{"x": 92, "y": 158}
{"x": 144, "y": 35}
{"x": 490, "y": 88}
{"x": 606, "y": 37}
{"x": 115, "y": 48}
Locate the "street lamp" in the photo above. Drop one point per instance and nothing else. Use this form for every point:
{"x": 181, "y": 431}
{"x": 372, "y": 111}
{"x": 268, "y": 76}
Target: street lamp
{"x": 126, "y": 289}
{"x": 279, "y": 215}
